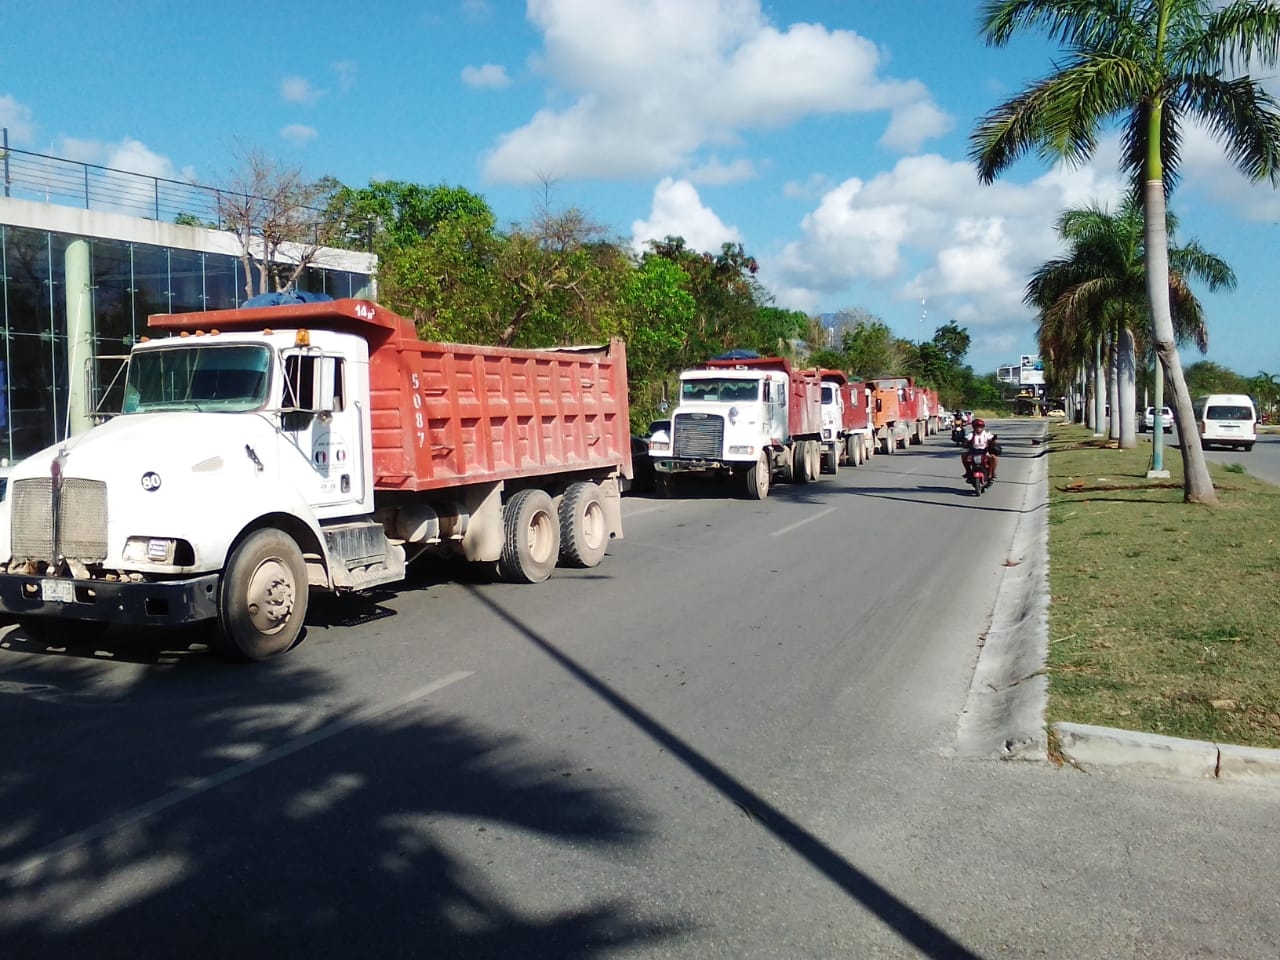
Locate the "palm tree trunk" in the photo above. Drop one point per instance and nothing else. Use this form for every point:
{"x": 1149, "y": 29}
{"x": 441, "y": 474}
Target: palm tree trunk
{"x": 1113, "y": 388}
{"x": 1197, "y": 487}
{"x": 1099, "y": 388}
{"x": 1127, "y": 394}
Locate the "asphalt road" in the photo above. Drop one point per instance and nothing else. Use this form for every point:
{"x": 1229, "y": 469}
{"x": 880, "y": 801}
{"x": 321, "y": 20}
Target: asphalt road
{"x": 1263, "y": 461}
{"x": 735, "y": 738}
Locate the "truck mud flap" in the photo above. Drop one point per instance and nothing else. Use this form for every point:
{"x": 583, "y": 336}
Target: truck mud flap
{"x": 163, "y": 603}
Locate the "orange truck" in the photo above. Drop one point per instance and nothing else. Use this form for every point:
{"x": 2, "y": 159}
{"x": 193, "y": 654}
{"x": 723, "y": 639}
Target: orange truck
{"x": 903, "y": 413}
{"x": 267, "y": 452}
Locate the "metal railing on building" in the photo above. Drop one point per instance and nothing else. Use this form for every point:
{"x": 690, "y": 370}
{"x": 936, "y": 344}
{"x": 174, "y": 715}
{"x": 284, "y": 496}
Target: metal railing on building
{"x": 57, "y": 180}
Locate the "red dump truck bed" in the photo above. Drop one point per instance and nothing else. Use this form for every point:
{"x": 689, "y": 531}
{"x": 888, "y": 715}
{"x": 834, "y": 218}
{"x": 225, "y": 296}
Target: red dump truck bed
{"x": 804, "y": 403}
{"x": 445, "y": 414}
{"x": 855, "y": 399}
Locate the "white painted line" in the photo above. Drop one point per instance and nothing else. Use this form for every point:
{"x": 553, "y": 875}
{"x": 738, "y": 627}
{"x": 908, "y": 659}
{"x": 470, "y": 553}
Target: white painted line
{"x": 800, "y": 523}
{"x": 10, "y": 873}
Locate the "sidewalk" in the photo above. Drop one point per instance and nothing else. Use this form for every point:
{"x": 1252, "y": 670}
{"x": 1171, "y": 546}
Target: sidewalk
{"x": 1003, "y": 716}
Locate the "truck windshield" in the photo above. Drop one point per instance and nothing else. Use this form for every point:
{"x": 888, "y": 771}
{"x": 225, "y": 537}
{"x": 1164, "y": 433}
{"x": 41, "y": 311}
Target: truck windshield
{"x": 728, "y": 391}
{"x": 828, "y": 394}
{"x": 228, "y": 379}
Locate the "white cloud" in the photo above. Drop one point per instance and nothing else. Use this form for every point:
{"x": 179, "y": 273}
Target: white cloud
{"x": 298, "y": 134}
{"x": 715, "y": 173}
{"x": 913, "y": 124}
{"x": 298, "y": 90}
{"x": 1205, "y": 168}
{"x": 489, "y": 76}
{"x": 642, "y": 87}
{"x": 678, "y": 211}
{"x": 129, "y": 155}
{"x": 17, "y": 117}
{"x": 345, "y": 71}
{"x": 815, "y": 185}
{"x": 926, "y": 228}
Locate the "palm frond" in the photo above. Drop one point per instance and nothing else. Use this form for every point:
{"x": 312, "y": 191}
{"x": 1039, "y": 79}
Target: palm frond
{"x": 1058, "y": 116}
{"x": 1243, "y": 116}
{"x": 1082, "y": 23}
{"x": 1240, "y": 31}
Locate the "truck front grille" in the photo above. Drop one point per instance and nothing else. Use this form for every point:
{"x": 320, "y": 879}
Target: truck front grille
{"x": 82, "y": 520}
{"x": 699, "y": 435}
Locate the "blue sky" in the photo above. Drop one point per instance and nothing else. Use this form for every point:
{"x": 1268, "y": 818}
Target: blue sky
{"x": 828, "y": 136}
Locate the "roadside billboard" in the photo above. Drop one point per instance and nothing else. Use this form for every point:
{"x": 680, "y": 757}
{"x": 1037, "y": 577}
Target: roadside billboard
{"x": 1032, "y": 374}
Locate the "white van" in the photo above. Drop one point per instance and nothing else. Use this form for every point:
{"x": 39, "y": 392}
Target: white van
{"x": 1227, "y": 419}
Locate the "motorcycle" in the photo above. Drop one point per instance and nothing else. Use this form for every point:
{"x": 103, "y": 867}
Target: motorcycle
{"x": 980, "y": 473}
{"x": 957, "y": 434}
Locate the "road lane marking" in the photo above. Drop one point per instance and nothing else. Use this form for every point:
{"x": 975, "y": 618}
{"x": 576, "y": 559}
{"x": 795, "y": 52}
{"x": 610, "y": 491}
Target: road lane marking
{"x": 10, "y": 873}
{"x": 800, "y": 523}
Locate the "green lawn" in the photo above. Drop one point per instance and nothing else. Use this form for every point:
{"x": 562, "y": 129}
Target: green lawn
{"x": 1164, "y": 617}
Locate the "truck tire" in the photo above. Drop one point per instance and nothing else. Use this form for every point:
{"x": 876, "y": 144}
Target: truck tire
{"x": 262, "y": 600}
{"x": 801, "y": 462}
{"x": 787, "y": 465}
{"x": 584, "y": 529}
{"x": 57, "y": 632}
{"x": 531, "y": 543}
{"x": 833, "y": 459}
{"x": 755, "y": 479}
{"x": 664, "y": 485}
{"x": 852, "y": 447}
{"x": 815, "y": 460}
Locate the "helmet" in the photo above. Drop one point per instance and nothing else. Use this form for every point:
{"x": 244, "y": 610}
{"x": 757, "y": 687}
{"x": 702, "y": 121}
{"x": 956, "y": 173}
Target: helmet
{"x": 979, "y": 423}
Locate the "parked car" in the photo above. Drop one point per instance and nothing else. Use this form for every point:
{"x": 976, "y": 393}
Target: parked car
{"x": 1148, "y": 421}
{"x": 1227, "y": 420}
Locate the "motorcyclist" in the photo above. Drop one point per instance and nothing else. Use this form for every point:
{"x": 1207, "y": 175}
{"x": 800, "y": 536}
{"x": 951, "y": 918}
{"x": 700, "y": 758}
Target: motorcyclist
{"x": 979, "y": 442}
{"x": 957, "y": 427}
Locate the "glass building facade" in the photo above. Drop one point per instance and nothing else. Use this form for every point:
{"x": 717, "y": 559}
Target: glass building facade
{"x": 69, "y": 302}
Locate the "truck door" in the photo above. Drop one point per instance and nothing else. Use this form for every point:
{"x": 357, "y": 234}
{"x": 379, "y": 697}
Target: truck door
{"x": 320, "y": 431}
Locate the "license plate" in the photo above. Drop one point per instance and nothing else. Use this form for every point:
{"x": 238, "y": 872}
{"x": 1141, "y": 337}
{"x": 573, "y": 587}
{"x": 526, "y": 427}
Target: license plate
{"x": 60, "y": 591}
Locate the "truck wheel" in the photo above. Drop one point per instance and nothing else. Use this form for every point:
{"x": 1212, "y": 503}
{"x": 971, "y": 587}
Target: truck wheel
{"x": 852, "y": 447}
{"x": 584, "y": 531}
{"x": 263, "y": 597}
{"x": 664, "y": 485}
{"x": 755, "y": 479}
{"x": 833, "y": 459}
{"x": 801, "y": 462}
{"x": 56, "y": 632}
{"x": 815, "y": 460}
{"x": 532, "y": 537}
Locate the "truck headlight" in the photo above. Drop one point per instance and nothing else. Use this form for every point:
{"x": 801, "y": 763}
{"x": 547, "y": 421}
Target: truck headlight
{"x": 746, "y": 451}
{"x": 170, "y": 551}
{"x": 659, "y": 446}
{"x": 149, "y": 550}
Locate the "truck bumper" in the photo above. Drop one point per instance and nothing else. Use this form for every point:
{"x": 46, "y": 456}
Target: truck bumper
{"x": 697, "y": 466}
{"x": 163, "y": 603}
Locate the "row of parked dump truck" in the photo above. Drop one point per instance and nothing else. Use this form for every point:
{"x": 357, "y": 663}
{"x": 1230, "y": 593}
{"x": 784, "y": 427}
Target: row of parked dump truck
{"x": 258, "y": 455}
{"x": 759, "y": 419}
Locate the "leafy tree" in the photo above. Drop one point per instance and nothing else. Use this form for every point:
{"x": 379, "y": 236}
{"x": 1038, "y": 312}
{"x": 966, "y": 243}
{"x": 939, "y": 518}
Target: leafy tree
{"x": 1156, "y": 65}
{"x": 399, "y": 214}
{"x": 873, "y": 351}
{"x": 953, "y": 341}
{"x": 1205, "y": 376}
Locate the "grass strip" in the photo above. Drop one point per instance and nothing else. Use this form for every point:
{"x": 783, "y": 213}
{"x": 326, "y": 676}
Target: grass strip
{"x": 1163, "y": 615}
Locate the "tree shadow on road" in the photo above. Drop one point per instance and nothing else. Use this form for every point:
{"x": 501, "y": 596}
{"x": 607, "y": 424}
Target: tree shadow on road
{"x": 193, "y": 809}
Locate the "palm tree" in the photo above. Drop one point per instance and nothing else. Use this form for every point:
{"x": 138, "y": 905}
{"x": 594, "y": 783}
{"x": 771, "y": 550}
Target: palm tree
{"x": 1153, "y": 65}
{"x": 1096, "y": 293}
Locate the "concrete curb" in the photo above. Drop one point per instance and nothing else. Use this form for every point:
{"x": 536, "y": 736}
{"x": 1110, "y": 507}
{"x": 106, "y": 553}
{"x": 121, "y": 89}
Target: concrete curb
{"x": 1092, "y": 747}
{"x": 1004, "y": 712}
{"x": 1003, "y": 715}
